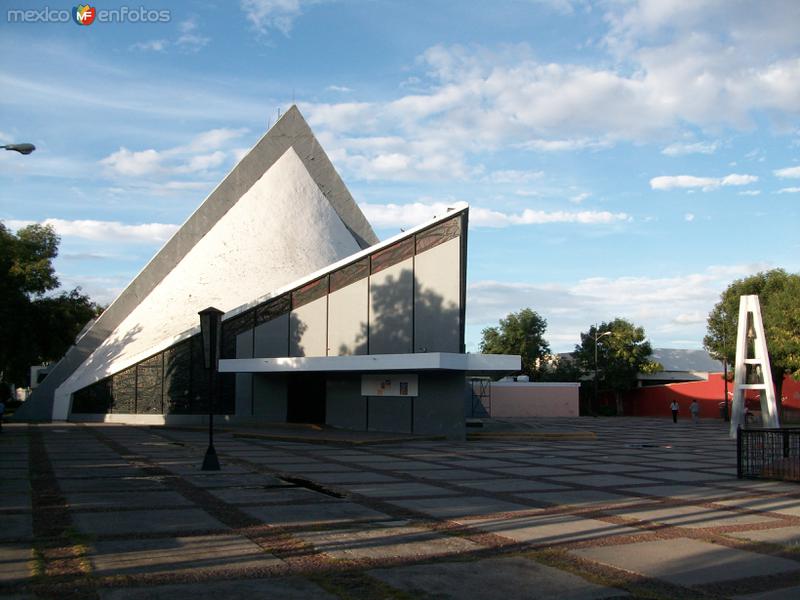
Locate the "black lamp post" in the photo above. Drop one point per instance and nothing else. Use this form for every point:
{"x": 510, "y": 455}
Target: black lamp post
{"x": 210, "y": 320}
{"x": 21, "y": 148}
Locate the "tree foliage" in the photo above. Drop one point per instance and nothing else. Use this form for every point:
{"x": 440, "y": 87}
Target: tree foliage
{"x": 622, "y": 353}
{"x": 779, "y": 296}
{"x": 35, "y": 327}
{"x": 519, "y": 333}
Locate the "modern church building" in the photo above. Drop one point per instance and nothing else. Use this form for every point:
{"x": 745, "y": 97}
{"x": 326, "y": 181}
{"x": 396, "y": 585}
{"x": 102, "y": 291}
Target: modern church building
{"x": 323, "y": 323}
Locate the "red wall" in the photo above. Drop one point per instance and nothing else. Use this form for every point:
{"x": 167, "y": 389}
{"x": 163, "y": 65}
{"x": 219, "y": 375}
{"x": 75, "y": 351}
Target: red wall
{"x": 654, "y": 401}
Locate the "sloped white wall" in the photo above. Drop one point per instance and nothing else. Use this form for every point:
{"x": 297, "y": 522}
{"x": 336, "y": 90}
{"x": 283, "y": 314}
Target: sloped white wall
{"x": 281, "y": 229}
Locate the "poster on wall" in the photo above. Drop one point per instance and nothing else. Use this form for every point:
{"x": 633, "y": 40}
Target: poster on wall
{"x": 390, "y": 385}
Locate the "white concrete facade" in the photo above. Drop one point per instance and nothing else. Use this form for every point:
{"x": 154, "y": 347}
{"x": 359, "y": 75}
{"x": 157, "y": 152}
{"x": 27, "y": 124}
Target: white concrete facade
{"x": 280, "y": 230}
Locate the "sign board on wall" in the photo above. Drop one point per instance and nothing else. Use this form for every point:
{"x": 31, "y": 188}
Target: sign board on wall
{"x": 390, "y": 385}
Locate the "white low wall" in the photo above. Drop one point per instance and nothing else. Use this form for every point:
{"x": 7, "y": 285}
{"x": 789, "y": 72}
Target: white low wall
{"x": 518, "y": 399}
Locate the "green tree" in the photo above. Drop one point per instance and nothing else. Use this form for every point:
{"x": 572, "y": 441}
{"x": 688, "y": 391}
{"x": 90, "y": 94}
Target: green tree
{"x": 560, "y": 368}
{"x": 519, "y": 333}
{"x": 779, "y": 296}
{"x": 35, "y": 327}
{"x": 622, "y": 353}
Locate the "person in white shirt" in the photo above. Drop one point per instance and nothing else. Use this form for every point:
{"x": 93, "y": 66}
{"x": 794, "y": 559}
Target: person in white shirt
{"x": 674, "y": 407}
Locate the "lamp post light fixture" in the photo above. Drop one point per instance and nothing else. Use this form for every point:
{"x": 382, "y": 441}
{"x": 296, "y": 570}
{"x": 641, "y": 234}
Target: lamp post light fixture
{"x": 21, "y": 148}
{"x": 210, "y": 320}
{"x": 597, "y": 338}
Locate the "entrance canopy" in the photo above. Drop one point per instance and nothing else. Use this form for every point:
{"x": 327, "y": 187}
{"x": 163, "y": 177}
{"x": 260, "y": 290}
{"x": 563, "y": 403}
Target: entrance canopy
{"x": 420, "y": 361}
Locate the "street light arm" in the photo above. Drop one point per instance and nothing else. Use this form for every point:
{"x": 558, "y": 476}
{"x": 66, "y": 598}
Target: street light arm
{"x": 21, "y": 148}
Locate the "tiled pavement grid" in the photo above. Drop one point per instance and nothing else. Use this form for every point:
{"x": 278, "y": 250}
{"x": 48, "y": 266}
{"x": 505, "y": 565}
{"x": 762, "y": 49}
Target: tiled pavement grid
{"x": 647, "y": 510}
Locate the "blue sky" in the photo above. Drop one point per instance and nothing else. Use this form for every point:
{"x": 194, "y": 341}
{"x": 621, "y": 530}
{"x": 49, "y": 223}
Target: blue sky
{"x": 621, "y": 158}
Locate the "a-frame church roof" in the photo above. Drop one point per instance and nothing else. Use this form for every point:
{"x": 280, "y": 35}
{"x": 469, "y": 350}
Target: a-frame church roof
{"x": 281, "y": 213}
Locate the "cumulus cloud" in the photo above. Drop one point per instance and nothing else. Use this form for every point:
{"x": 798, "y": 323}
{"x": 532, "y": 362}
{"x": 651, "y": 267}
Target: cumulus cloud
{"x": 106, "y": 231}
{"x": 788, "y": 172}
{"x": 272, "y": 14}
{"x": 409, "y": 215}
{"x": 192, "y": 157}
{"x": 750, "y": 193}
{"x": 789, "y": 190}
{"x": 151, "y": 46}
{"x": 514, "y": 176}
{"x": 190, "y": 40}
{"x": 133, "y": 164}
{"x": 669, "y": 308}
{"x": 670, "y": 182}
{"x": 339, "y": 88}
{"x": 681, "y": 149}
{"x": 689, "y": 217}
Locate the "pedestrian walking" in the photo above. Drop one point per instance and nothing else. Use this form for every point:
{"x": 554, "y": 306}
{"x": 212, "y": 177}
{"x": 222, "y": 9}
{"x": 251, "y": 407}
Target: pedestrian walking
{"x": 674, "y": 407}
{"x": 694, "y": 408}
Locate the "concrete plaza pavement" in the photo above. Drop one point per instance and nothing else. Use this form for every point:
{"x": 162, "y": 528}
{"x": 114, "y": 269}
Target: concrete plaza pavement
{"x": 648, "y": 509}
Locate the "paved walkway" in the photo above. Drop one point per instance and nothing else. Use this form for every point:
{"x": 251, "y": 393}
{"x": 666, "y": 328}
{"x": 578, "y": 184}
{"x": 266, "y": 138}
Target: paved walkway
{"x": 647, "y": 510}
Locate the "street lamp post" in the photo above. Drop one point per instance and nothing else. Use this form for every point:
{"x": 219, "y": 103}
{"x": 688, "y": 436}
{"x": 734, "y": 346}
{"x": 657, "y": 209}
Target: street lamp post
{"x": 210, "y": 319}
{"x": 596, "y": 340}
{"x": 21, "y": 148}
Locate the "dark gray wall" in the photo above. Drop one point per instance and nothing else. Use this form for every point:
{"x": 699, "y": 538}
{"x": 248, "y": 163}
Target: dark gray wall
{"x": 390, "y": 413}
{"x": 270, "y": 398}
{"x": 345, "y": 407}
{"x": 438, "y": 410}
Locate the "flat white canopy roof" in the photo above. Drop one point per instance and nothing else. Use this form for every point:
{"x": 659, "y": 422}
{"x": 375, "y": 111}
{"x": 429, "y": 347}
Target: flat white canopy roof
{"x": 422, "y": 361}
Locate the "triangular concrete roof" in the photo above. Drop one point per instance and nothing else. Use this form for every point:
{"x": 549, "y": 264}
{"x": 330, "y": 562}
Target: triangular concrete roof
{"x": 289, "y": 142}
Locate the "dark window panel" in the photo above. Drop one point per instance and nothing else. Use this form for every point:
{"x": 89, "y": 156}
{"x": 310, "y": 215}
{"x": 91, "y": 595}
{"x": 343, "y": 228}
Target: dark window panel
{"x": 233, "y": 327}
{"x": 94, "y": 399}
{"x": 177, "y": 379}
{"x": 199, "y": 378}
{"x": 272, "y": 309}
{"x": 125, "y": 391}
{"x": 149, "y": 385}
{"x": 310, "y": 292}
{"x": 392, "y": 255}
{"x": 438, "y": 234}
{"x": 350, "y": 274}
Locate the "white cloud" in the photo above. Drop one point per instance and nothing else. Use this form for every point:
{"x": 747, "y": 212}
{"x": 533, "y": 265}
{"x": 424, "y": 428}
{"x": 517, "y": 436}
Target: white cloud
{"x": 409, "y": 215}
{"x": 669, "y": 182}
{"x": 565, "y": 145}
{"x": 272, "y": 14}
{"x": 151, "y": 46}
{"x": 133, "y": 164}
{"x": 668, "y": 308}
{"x": 750, "y": 193}
{"x": 789, "y": 190}
{"x": 689, "y": 217}
{"x": 106, "y": 231}
{"x": 191, "y": 157}
{"x": 339, "y": 88}
{"x": 578, "y": 198}
{"x": 681, "y": 149}
{"x": 475, "y": 99}
{"x": 190, "y": 40}
{"x": 788, "y": 172}
{"x": 514, "y": 176}
{"x": 203, "y": 162}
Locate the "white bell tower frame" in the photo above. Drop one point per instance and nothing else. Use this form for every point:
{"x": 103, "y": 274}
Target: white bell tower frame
{"x": 752, "y": 359}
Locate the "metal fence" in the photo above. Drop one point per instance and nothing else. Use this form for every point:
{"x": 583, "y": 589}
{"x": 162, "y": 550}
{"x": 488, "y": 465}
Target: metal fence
{"x": 768, "y": 454}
